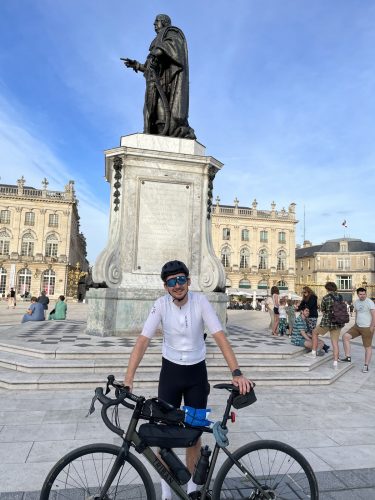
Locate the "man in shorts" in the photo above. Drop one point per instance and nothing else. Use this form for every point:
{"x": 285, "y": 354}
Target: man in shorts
{"x": 326, "y": 324}
{"x": 183, "y": 315}
{"x": 300, "y": 336}
{"x": 364, "y": 327}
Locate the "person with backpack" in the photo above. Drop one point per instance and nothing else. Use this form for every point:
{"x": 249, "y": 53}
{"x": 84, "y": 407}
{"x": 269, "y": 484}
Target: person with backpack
{"x": 335, "y": 315}
{"x": 364, "y": 327}
{"x": 183, "y": 315}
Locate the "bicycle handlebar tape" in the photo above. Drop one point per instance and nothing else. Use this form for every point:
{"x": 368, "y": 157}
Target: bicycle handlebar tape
{"x": 220, "y": 435}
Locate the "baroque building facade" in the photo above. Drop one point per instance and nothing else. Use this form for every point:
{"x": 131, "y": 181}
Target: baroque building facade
{"x": 348, "y": 262}
{"x": 256, "y": 247}
{"x": 41, "y": 245}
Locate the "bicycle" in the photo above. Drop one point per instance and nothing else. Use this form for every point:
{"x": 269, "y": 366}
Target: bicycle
{"x": 261, "y": 470}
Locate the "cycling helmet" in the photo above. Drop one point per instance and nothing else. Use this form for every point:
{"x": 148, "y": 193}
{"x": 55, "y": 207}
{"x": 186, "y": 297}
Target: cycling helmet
{"x": 173, "y": 267}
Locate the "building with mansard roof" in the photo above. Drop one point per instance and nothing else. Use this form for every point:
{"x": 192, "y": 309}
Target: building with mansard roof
{"x": 256, "y": 247}
{"x": 349, "y": 262}
{"x": 40, "y": 240}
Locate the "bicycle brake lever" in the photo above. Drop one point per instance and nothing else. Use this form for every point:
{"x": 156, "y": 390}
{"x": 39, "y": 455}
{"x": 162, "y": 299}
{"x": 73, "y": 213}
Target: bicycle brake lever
{"x": 92, "y": 406}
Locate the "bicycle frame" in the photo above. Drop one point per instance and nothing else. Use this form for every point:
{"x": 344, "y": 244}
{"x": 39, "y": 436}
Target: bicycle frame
{"x": 131, "y": 438}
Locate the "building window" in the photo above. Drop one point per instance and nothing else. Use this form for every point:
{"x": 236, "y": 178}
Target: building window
{"x": 264, "y": 236}
{"x": 263, "y": 285}
{"x": 244, "y": 258}
{"x": 3, "y": 281}
{"x": 343, "y": 263}
{"x": 29, "y": 218}
{"x": 282, "y": 285}
{"x": 225, "y": 256}
{"x": 226, "y": 233}
{"x": 301, "y": 265}
{"x": 48, "y": 282}
{"x": 24, "y": 281}
{"x": 5, "y": 217}
{"x": 52, "y": 246}
{"x": 344, "y": 247}
{"x": 27, "y": 245}
{"x": 282, "y": 237}
{"x": 53, "y": 220}
{"x": 281, "y": 260}
{"x": 244, "y": 284}
{"x": 245, "y": 235}
{"x": 263, "y": 259}
{"x": 4, "y": 242}
{"x": 344, "y": 282}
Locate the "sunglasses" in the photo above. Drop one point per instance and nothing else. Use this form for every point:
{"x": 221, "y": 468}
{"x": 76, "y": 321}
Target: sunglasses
{"x": 181, "y": 280}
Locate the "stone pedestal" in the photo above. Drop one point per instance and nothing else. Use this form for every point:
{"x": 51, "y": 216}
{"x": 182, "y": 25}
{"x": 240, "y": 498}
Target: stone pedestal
{"x": 161, "y": 197}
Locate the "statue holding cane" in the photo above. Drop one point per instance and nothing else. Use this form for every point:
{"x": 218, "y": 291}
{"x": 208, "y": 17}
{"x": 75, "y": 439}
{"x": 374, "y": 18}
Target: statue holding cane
{"x": 166, "y": 71}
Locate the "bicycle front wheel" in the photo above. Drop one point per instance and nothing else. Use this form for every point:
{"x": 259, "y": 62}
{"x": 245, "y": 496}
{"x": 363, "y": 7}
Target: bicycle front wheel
{"x": 82, "y": 473}
{"x": 268, "y": 466}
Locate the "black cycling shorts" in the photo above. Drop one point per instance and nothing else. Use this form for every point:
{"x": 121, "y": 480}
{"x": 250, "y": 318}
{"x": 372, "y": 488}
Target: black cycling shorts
{"x": 189, "y": 382}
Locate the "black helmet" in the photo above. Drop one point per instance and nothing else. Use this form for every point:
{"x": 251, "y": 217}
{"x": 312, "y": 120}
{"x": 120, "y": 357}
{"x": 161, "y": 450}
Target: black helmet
{"x": 173, "y": 267}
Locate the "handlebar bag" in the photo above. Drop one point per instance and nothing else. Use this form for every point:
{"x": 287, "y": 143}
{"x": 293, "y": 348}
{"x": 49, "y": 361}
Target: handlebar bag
{"x": 168, "y": 436}
{"x": 157, "y": 410}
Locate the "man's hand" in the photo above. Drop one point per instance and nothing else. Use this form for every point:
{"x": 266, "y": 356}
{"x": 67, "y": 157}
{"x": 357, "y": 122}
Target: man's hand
{"x": 128, "y": 383}
{"x": 244, "y": 384}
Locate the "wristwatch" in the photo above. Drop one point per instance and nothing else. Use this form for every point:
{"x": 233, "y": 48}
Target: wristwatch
{"x": 236, "y": 373}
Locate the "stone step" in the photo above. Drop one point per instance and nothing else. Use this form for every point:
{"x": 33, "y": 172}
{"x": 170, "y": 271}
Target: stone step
{"x": 11, "y": 379}
{"x": 28, "y": 364}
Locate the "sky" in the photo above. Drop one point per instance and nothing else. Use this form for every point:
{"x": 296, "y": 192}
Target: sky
{"x": 281, "y": 91}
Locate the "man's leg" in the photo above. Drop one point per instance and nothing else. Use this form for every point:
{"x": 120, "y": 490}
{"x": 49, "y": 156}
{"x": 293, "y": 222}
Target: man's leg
{"x": 335, "y": 335}
{"x": 368, "y": 354}
{"x": 346, "y": 338}
{"x": 367, "y": 336}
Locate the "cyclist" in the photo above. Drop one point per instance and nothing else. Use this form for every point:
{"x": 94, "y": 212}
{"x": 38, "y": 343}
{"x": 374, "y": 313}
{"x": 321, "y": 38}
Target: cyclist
{"x": 183, "y": 315}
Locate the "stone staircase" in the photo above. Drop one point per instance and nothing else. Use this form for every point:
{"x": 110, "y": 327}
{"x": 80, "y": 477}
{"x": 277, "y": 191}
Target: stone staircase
{"x": 24, "y": 367}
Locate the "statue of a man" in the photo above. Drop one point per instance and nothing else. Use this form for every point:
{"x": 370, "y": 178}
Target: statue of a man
{"x": 166, "y": 71}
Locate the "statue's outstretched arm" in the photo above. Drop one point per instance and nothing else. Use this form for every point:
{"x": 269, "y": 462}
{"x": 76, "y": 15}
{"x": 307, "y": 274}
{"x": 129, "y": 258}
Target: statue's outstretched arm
{"x": 132, "y": 63}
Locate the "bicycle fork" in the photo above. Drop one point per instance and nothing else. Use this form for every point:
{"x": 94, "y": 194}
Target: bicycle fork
{"x": 119, "y": 462}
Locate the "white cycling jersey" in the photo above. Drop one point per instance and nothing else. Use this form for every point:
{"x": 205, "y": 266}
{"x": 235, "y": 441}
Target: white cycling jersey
{"x": 183, "y": 327}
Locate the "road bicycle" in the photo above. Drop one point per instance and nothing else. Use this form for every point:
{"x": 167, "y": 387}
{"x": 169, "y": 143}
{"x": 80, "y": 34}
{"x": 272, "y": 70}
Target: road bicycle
{"x": 261, "y": 470}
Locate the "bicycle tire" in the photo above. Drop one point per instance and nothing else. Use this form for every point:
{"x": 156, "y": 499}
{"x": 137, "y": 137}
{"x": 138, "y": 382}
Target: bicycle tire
{"x": 82, "y": 472}
{"x": 279, "y": 468}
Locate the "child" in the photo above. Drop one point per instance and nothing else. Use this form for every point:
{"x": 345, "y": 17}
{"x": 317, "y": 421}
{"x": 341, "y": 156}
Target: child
{"x": 291, "y": 314}
{"x": 282, "y": 316}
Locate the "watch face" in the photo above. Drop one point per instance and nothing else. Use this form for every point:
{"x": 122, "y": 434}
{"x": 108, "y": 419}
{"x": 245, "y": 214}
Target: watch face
{"x": 236, "y": 373}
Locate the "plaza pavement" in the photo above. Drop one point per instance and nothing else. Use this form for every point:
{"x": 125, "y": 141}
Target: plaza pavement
{"x": 333, "y": 426}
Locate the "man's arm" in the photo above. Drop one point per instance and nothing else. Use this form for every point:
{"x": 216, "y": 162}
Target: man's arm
{"x": 372, "y": 326}
{"x": 241, "y": 382}
{"x": 135, "y": 358}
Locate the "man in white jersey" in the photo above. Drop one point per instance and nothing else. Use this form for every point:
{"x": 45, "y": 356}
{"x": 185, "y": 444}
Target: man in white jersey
{"x": 183, "y": 315}
{"x": 364, "y": 327}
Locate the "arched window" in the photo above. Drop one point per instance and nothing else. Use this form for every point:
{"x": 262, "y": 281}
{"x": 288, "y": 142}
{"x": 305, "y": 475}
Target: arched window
{"x": 263, "y": 259}
{"x": 281, "y": 260}
{"x": 262, "y": 285}
{"x": 3, "y": 281}
{"x": 282, "y": 285}
{"x": 52, "y": 245}
{"x": 244, "y": 284}
{"x": 27, "y": 245}
{"x": 225, "y": 256}
{"x": 24, "y": 281}
{"x": 48, "y": 281}
{"x": 4, "y": 242}
{"x": 245, "y": 235}
{"x": 244, "y": 258}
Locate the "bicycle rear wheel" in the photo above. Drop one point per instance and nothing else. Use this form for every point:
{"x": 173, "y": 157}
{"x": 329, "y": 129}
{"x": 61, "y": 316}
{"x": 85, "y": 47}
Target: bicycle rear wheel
{"x": 81, "y": 474}
{"x": 280, "y": 470}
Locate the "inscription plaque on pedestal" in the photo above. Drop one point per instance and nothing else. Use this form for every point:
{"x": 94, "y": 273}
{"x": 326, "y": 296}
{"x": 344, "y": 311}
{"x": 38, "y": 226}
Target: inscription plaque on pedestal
{"x": 164, "y": 224}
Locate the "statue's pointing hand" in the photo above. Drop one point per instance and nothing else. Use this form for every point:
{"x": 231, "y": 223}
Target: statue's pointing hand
{"x": 131, "y": 63}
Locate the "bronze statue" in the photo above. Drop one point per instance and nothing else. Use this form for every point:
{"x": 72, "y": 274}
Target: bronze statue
{"x": 166, "y": 71}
